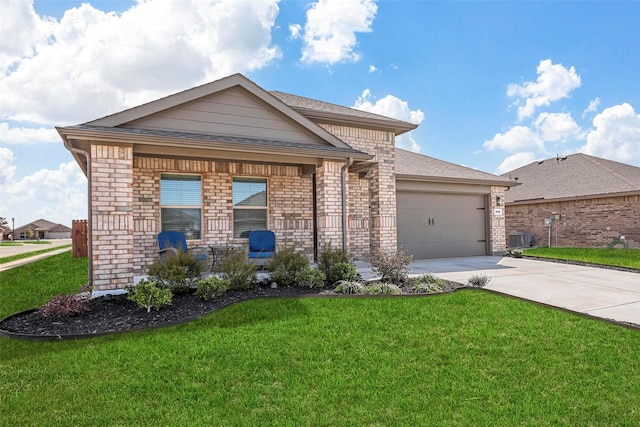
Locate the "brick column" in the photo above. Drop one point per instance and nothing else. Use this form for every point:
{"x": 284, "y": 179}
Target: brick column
{"x": 497, "y": 222}
{"x": 112, "y": 216}
{"x": 328, "y": 204}
{"x": 383, "y": 201}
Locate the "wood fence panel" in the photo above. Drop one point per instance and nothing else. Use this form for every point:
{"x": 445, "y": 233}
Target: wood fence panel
{"x": 79, "y": 238}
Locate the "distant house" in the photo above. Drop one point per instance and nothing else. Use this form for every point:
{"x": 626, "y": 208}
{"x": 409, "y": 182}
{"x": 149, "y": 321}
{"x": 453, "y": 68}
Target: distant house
{"x": 575, "y": 201}
{"x": 42, "y": 229}
{"x": 222, "y": 159}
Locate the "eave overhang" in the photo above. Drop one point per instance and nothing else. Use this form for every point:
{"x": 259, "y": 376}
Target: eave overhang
{"x": 454, "y": 180}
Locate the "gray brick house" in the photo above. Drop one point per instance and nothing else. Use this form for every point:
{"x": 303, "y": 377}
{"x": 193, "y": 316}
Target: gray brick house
{"x": 221, "y": 159}
{"x": 587, "y": 202}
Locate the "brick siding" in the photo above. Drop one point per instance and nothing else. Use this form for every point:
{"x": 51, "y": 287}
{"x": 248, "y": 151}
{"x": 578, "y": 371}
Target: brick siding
{"x": 582, "y": 223}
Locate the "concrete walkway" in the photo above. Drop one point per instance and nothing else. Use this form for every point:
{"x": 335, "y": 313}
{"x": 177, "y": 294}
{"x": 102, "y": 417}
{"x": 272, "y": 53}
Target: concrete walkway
{"x": 600, "y": 292}
{"x": 6, "y": 251}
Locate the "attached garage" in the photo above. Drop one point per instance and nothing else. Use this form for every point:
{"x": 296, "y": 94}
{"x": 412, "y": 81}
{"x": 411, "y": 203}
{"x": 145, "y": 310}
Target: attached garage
{"x": 445, "y": 210}
{"x": 439, "y": 225}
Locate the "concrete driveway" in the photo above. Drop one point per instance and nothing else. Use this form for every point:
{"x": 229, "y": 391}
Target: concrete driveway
{"x": 600, "y": 292}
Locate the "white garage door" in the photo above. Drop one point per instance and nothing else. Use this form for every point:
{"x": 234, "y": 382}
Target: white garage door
{"x": 436, "y": 225}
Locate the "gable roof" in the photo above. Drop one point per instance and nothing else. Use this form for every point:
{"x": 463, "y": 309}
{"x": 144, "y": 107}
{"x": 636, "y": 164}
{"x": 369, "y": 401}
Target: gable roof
{"x": 571, "y": 177}
{"x": 325, "y": 112}
{"x": 139, "y": 125}
{"x": 44, "y": 225}
{"x": 414, "y": 166}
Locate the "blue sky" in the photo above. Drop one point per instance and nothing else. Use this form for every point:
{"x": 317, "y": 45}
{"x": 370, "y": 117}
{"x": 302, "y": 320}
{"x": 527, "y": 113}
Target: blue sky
{"x": 494, "y": 85}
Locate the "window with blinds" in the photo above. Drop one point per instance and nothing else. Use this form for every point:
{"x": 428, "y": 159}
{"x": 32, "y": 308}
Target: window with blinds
{"x": 249, "y": 205}
{"x": 181, "y": 204}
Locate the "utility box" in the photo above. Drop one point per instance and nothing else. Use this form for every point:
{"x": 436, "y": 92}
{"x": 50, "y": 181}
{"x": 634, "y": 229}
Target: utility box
{"x": 547, "y": 222}
{"x": 520, "y": 240}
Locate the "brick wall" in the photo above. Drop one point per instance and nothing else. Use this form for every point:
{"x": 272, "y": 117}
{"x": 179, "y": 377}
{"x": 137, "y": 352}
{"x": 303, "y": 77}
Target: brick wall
{"x": 582, "y": 223}
{"x": 382, "y": 186}
{"x": 290, "y": 200}
{"x": 329, "y": 204}
{"x": 497, "y": 221}
{"x": 112, "y": 216}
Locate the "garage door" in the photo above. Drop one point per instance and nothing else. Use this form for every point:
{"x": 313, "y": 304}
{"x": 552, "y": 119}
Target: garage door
{"x": 435, "y": 225}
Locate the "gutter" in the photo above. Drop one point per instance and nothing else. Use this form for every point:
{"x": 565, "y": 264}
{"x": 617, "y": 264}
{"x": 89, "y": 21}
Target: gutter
{"x": 87, "y": 156}
{"x": 343, "y": 176}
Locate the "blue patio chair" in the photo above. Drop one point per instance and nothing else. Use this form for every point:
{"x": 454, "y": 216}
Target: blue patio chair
{"x": 170, "y": 242}
{"x": 262, "y": 246}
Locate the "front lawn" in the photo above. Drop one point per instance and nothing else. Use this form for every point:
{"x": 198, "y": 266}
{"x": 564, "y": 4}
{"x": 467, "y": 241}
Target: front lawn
{"x": 467, "y": 358}
{"x": 628, "y": 258}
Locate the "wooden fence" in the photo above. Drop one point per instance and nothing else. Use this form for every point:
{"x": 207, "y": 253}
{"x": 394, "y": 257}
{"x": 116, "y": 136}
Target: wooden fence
{"x": 79, "y": 238}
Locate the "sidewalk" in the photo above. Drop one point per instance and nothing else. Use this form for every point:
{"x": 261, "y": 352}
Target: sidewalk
{"x": 6, "y": 251}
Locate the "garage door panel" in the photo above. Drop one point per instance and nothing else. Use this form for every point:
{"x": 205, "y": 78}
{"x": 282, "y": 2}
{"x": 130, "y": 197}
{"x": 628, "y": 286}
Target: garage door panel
{"x": 437, "y": 225}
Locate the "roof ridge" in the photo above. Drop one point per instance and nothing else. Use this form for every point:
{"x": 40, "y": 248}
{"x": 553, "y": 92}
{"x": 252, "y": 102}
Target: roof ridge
{"x": 597, "y": 161}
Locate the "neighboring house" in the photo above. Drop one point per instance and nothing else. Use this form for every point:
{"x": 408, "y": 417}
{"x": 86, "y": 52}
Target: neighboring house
{"x": 43, "y": 229}
{"x": 575, "y": 201}
{"x": 221, "y": 159}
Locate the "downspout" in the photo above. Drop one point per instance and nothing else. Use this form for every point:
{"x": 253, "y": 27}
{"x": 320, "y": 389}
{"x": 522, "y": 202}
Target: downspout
{"x": 89, "y": 222}
{"x": 344, "y": 201}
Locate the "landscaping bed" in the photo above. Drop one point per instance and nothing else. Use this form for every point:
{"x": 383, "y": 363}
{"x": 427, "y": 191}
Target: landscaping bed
{"x": 117, "y": 314}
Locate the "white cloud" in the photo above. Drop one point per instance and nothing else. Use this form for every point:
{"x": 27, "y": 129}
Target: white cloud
{"x": 295, "y": 30}
{"x": 515, "y": 161}
{"x": 22, "y": 135}
{"x": 56, "y": 195}
{"x": 372, "y": 68}
{"x": 616, "y": 135}
{"x": 518, "y": 138}
{"x": 331, "y": 27}
{"x": 92, "y": 63}
{"x": 556, "y": 126}
{"x": 396, "y": 108}
{"x": 554, "y": 82}
{"x": 389, "y": 106}
{"x": 592, "y": 107}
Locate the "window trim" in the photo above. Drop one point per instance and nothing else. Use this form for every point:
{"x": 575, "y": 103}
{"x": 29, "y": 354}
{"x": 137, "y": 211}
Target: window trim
{"x": 257, "y": 208}
{"x": 200, "y": 207}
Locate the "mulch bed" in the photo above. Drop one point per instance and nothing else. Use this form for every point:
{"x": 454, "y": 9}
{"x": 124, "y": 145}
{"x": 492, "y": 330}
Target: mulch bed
{"x": 116, "y": 313}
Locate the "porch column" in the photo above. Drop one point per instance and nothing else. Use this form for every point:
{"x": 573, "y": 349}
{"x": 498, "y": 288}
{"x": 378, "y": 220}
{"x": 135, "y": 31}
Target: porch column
{"x": 112, "y": 216}
{"x": 382, "y": 187}
{"x": 329, "y": 204}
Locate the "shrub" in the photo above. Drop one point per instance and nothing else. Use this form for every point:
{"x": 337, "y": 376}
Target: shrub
{"x": 516, "y": 253}
{"x": 310, "y": 277}
{"x": 177, "y": 272}
{"x": 342, "y": 271}
{"x": 383, "y": 288}
{"x": 211, "y": 287}
{"x": 350, "y": 287}
{"x": 479, "y": 281}
{"x": 330, "y": 256}
{"x": 286, "y": 265}
{"x": 64, "y": 305}
{"x": 240, "y": 274}
{"x": 150, "y": 294}
{"x": 427, "y": 284}
{"x": 392, "y": 267}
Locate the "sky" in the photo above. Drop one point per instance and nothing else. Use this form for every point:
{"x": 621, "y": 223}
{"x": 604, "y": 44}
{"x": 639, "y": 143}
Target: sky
{"x": 493, "y": 85}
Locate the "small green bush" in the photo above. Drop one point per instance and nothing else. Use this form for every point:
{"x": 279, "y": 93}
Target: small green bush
{"x": 150, "y": 294}
{"x": 177, "y": 272}
{"x": 285, "y": 266}
{"x": 64, "y": 305}
{"x": 350, "y": 287}
{"x": 427, "y": 284}
{"x": 240, "y": 274}
{"x": 310, "y": 277}
{"x": 330, "y": 256}
{"x": 383, "y": 288}
{"x": 211, "y": 287}
{"x": 479, "y": 281}
{"x": 342, "y": 271}
{"x": 392, "y": 266}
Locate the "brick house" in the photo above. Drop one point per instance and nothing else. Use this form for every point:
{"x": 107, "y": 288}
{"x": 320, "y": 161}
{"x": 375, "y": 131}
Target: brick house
{"x": 221, "y": 159}
{"x": 42, "y": 229}
{"x": 586, "y": 202}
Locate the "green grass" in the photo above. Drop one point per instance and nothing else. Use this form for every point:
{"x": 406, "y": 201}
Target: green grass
{"x": 467, "y": 358}
{"x": 30, "y": 254}
{"x": 628, "y": 258}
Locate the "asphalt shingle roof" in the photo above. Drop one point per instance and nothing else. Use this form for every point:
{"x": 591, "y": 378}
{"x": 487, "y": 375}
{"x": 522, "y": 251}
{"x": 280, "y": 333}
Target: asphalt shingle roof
{"x": 574, "y": 176}
{"x": 419, "y": 165}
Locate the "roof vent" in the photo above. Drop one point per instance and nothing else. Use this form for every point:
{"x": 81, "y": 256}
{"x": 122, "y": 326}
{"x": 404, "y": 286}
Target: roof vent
{"x": 541, "y": 162}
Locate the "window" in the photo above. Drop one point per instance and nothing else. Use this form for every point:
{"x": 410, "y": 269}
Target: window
{"x": 249, "y": 205}
{"x": 181, "y": 204}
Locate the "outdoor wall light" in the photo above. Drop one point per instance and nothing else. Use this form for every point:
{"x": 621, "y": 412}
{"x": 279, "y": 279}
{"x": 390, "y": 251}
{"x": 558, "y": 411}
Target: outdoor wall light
{"x": 499, "y": 201}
